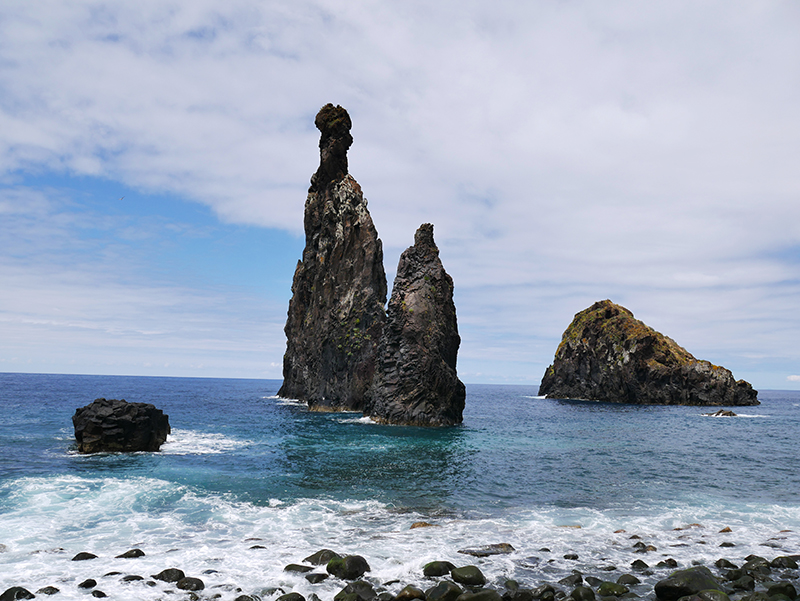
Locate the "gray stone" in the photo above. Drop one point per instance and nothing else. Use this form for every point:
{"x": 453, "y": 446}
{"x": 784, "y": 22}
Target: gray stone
{"x": 686, "y": 582}
{"x": 111, "y": 425}
{"x": 415, "y": 380}
{"x": 468, "y": 575}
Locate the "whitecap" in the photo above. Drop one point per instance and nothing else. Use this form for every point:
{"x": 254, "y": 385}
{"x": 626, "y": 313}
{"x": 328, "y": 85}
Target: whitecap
{"x": 190, "y": 442}
{"x": 356, "y": 420}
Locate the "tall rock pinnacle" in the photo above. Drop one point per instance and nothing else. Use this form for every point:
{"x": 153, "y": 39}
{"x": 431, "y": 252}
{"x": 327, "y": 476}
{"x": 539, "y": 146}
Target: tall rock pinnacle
{"x": 336, "y": 314}
{"x": 415, "y": 380}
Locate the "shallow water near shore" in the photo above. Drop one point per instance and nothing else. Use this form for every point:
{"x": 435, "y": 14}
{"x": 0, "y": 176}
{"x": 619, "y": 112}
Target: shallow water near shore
{"x": 248, "y": 483}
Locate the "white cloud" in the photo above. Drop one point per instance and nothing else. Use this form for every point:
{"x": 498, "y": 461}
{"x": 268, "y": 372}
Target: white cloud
{"x": 566, "y": 152}
{"x": 793, "y": 378}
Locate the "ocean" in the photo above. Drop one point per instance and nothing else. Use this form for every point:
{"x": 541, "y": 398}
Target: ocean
{"x": 248, "y": 483}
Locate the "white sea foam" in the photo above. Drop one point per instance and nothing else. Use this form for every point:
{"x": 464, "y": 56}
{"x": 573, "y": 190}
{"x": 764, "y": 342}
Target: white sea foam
{"x": 356, "y": 420}
{"x": 190, "y": 442}
{"x": 291, "y": 402}
{"x": 44, "y": 522}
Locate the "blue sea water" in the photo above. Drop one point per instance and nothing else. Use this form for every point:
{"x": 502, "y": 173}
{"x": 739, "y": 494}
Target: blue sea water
{"x": 248, "y": 483}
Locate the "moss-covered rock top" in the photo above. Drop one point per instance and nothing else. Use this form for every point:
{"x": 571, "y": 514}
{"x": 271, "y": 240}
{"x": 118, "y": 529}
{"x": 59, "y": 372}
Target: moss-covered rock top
{"x": 607, "y": 354}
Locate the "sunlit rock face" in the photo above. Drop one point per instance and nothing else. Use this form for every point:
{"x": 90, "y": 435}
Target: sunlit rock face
{"x": 608, "y": 355}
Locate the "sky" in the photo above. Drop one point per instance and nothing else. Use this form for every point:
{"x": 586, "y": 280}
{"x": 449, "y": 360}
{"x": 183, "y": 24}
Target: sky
{"x": 155, "y": 158}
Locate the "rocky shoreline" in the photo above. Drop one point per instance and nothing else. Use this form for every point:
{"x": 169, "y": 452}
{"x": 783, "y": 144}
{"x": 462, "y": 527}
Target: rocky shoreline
{"x": 347, "y": 578}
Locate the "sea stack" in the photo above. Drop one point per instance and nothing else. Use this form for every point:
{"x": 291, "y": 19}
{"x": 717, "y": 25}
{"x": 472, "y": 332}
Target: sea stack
{"x": 336, "y": 313}
{"x": 117, "y": 426}
{"x": 416, "y": 381}
{"x": 608, "y": 355}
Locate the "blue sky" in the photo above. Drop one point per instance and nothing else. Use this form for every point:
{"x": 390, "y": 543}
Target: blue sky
{"x": 155, "y": 157}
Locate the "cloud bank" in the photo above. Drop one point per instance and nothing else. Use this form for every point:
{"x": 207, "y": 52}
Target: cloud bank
{"x": 566, "y": 153}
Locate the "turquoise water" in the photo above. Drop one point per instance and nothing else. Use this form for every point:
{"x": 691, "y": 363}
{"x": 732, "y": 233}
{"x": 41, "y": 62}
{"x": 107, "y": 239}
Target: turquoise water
{"x": 242, "y": 464}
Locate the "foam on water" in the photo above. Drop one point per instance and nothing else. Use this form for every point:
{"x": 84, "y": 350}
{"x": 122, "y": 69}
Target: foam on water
{"x": 44, "y": 522}
{"x": 189, "y": 442}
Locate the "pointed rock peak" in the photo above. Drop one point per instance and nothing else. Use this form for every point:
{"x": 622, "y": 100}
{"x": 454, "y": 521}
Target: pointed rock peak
{"x": 423, "y": 238}
{"x": 416, "y": 381}
{"x": 606, "y": 309}
{"x": 334, "y": 124}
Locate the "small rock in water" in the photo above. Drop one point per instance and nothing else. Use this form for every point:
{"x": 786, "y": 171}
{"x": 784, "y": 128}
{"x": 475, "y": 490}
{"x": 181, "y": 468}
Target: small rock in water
{"x": 409, "y": 593}
{"x": 612, "y": 589}
{"x": 321, "y": 557}
{"x": 316, "y": 577}
{"x": 47, "y": 590}
{"x": 496, "y": 549}
{"x": 421, "y": 525}
{"x": 639, "y": 565}
{"x": 83, "y": 556}
{"x": 686, "y": 582}
{"x": 726, "y": 529}
{"x": 88, "y": 583}
{"x": 131, "y": 578}
{"x": 782, "y": 588}
{"x": 437, "y": 568}
{"x": 97, "y": 593}
{"x": 356, "y": 591}
{"x": 784, "y": 562}
{"x": 191, "y": 584}
{"x": 723, "y": 563}
{"x": 350, "y": 567}
{"x": 721, "y": 413}
{"x": 485, "y": 594}
{"x": 131, "y": 554}
{"x": 293, "y": 567}
{"x": 571, "y": 556}
{"x": 573, "y": 579}
{"x": 170, "y": 575}
{"x": 628, "y": 580}
{"x": 469, "y": 575}
{"x": 444, "y": 591}
{"x": 291, "y": 597}
{"x": 582, "y": 593}
{"x": 16, "y": 592}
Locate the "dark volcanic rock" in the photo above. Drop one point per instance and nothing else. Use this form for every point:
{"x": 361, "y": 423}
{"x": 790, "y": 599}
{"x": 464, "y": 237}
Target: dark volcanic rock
{"x": 16, "y": 592}
{"x": 607, "y": 355}
{"x": 686, "y": 582}
{"x": 349, "y": 567}
{"x": 415, "y": 380}
{"x": 336, "y": 313}
{"x": 118, "y": 426}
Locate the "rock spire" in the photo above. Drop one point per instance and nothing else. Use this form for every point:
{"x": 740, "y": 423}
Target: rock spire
{"x": 336, "y": 313}
{"x": 416, "y": 381}
{"x": 341, "y": 352}
{"x": 608, "y": 355}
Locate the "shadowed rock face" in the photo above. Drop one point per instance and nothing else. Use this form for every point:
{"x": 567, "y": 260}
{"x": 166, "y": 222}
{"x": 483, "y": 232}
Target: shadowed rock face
{"x": 607, "y": 355}
{"x": 111, "y": 425}
{"x": 336, "y": 313}
{"x": 416, "y": 381}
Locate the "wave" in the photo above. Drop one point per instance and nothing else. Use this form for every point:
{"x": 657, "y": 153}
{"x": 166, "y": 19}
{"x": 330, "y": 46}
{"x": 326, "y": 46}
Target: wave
{"x": 191, "y": 442}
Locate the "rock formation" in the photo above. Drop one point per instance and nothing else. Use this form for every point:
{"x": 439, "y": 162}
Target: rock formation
{"x": 336, "y": 313}
{"x": 607, "y": 355}
{"x": 415, "y": 380}
{"x": 118, "y": 426}
{"x": 341, "y": 352}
